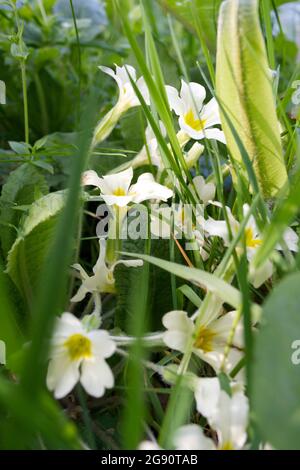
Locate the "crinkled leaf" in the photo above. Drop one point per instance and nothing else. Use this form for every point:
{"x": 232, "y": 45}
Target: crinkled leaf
{"x": 23, "y": 186}
{"x": 31, "y": 248}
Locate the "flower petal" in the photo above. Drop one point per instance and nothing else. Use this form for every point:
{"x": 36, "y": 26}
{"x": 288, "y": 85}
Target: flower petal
{"x": 96, "y": 376}
{"x": 191, "y": 437}
{"x": 206, "y": 191}
{"x": 222, "y": 328}
{"x": 90, "y": 178}
{"x": 80, "y": 294}
{"x": 291, "y": 239}
{"x": 120, "y": 201}
{"x": 192, "y": 94}
{"x": 121, "y": 180}
{"x": 62, "y": 376}
{"x": 146, "y": 188}
{"x": 217, "y": 228}
{"x": 149, "y": 445}
{"x": 102, "y": 345}
{"x": 178, "y": 320}
{"x": 214, "y": 133}
{"x": 175, "y": 102}
{"x": 207, "y": 392}
{"x": 210, "y": 113}
{"x": 259, "y": 276}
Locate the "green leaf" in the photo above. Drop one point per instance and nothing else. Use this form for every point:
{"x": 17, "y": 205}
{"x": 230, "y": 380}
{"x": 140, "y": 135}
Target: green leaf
{"x": 20, "y": 148}
{"x": 46, "y": 166}
{"x": 31, "y": 248}
{"x": 244, "y": 91}
{"x": 19, "y": 51}
{"x": 190, "y": 294}
{"x": 22, "y": 187}
{"x": 276, "y": 384}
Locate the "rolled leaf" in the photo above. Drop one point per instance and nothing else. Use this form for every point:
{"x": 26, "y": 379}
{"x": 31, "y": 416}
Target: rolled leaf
{"x": 244, "y": 91}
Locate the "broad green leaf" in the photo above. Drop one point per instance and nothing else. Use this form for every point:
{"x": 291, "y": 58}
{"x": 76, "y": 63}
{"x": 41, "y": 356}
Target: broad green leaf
{"x": 10, "y": 331}
{"x": 244, "y": 91}
{"x": 44, "y": 165}
{"x": 32, "y": 245}
{"x": 276, "y": 368}
{"x": 19, "y": 147}
{"x": 23, "y": 186}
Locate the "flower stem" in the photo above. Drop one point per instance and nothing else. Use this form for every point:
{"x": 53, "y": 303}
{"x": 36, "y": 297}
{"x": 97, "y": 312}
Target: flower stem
{"x": 25, "y": 101}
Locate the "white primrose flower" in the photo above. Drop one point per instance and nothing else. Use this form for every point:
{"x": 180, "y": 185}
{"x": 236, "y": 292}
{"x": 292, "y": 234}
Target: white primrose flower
{"x": 211, "y": 339}
{"x": 227, "y": 415}
{"x": 253, "y": 240}
{"x": 127, "y": 96}
{"x": 102, "y": 281}
{"x": 195, "y": 119}
{"x": 78, "y": 355}
{"x": 116, "y": 189}
{"x": 127, "y": 99}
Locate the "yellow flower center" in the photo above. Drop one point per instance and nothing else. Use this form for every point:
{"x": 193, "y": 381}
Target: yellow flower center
{"x": 227, "y": 446}
{"x": 194, "y": 122}
{"x": 78, "y": 346}
{"x": 119, "y": 192}
{"x": 250, "y": 241}
{"x": 204, "y": 339}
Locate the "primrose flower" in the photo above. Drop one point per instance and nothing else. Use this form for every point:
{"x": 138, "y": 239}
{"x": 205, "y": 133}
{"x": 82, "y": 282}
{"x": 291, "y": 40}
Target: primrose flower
{"x": 226, "y": 414}
{"x": 253, "y": 241}
{"x": 195, "y": 119}
{"x": 209, "y": 341}
{"x": 78, "y": 355}
{"x": 102, "y": 281}
{"x": 116, "y": 189}
{"x": 127, "y": 99}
